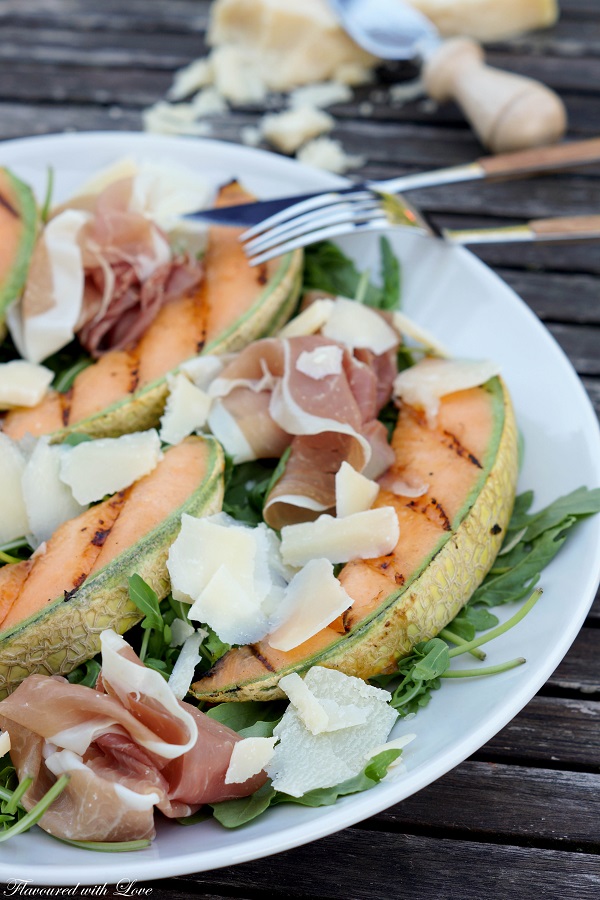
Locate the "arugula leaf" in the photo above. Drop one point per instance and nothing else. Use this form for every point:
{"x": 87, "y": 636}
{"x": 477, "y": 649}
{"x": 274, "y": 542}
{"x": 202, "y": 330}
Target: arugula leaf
{"x": 246, "y": 487}
{"x": 147, "y": 602}
{"x": 249, "y": 718}
{"x": 212, "y": 647}
{"x": 390, "y": 276}
{"x": 233, "y": 813}
{"x": 579, "y": 503}
{"x": 72, "y": 440}
{"x": 472, "y": 619}
{"x": 86, "y": 673}
{"x": 327, "y": 268}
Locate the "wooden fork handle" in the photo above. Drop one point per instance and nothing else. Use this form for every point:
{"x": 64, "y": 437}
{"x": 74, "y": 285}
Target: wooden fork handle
{"x": 566, "y": 227}
{"x": 507, "y": 111}
{"x": 541, "y": 159}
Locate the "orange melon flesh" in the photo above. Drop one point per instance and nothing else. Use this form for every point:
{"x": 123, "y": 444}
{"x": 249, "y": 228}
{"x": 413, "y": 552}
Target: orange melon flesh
{"x": 101, "y": 384}
{"x": 67, "y": 560}
{"x": 153, "y": 497}
{"x": 179, "y": 332}
{"x": 87, "y": 543}
{"x": 12, "y": 579}
{"x": 230, "y": 284}
{"x": 447, "y": 458}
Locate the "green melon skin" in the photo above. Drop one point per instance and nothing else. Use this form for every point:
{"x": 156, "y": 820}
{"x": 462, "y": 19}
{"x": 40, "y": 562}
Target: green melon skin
{"x": 21, "y": 199}
{"x": 422, "y": 607}
{"x": 143, "y": 409}
{"x": 66, "y": 632}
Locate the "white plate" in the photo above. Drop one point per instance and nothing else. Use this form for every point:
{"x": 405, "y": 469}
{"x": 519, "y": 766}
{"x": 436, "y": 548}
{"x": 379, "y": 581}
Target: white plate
{"x": 476, "y": 315}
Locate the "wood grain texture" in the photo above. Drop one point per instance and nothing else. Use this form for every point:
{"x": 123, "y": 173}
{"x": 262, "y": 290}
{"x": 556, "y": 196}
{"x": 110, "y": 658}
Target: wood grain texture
{"x": 361, "y": 865}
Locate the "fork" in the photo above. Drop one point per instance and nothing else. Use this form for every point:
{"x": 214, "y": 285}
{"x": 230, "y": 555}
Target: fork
{"x": 372, "y": 205}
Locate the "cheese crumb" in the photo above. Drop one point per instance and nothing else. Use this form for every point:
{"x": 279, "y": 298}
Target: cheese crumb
{"x": 328, "y": 154}
{"x": 321, "y": 362}
{"x": 290, "y": 129}
{"x": 362, "y": 535}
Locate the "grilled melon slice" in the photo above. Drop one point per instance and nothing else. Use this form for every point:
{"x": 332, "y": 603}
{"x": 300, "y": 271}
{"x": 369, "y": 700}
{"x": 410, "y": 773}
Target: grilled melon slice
{"x": 126, "y": 391}
{"x": 449, "y": 538}
{"x": 18, "y": 229}
{"x": 59, "y": 602}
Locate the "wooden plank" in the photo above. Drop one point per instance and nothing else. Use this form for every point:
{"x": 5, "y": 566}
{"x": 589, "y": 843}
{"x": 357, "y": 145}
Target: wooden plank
{"x": 557, "y": 297}
{"x": 23, "y": 120}
{"x": 551, "y": 732}
{"x": 592, "y": 386}
{"x": 580, "y": 669}
{"x": 568, "y": 38}
{"x": 366, "y": 865}
{"x": 111, "y": 15}
{"x": 511, "y": 803}
{"x": 580, "y": 343}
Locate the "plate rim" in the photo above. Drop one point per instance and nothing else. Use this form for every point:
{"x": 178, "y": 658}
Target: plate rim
{"x": 353, "y": 809}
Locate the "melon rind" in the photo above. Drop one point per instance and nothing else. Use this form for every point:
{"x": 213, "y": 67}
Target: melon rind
{"x": 65, "y": 633}
{"x": 24, "y": 201}
{"x": 437, "y": 591}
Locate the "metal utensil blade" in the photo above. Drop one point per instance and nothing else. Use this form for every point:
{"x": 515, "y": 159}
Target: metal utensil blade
{"x": 389, "y": 29}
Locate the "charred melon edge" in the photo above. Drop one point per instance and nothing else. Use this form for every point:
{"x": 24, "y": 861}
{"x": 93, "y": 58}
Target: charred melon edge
{"x": 67, "y": 631}
{"x": 378, "y": 641}
{"x": 28, "y": 211}
{"x": 143, "y": 409}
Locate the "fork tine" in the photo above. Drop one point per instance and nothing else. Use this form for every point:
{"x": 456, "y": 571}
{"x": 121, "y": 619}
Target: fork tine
{"x": 298, "y": 209}
{"x": 309, "y": 222}
{"x": 320, "y": 235}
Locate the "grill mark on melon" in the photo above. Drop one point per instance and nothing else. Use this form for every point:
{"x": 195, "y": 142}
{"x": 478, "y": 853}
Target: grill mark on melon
{"x": 462, "y": 451}
{"x": 64, "y": 400}
{"x": 9, "y": 207}
{"x": 262, "y": 659}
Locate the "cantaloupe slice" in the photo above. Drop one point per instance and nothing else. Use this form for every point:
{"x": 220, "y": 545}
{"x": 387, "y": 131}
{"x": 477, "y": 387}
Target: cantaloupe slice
{"x": 449, "y": 538}
{"x": 56, "y": 605}
{"x": 127, "y": 391}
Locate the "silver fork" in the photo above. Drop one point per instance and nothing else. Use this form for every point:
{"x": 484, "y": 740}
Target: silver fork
{"x": 371, "y": 206}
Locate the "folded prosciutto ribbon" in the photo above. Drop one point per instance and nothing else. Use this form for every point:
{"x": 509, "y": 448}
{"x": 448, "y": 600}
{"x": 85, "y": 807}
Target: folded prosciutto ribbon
{"x": 128, "y": 745}
{"x": 316, "y": 397}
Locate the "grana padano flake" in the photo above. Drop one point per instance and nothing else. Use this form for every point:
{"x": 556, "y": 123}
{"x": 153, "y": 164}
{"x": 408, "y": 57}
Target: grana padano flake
{"x": 363, "y": 535}
{"x": 353, "y": 492}
{"x": 23, "y": 383}
{"x": 186, "y": 410}
{"x": 94, "y": 469}
{"x": 359, "y": 327}
{"x": 249, "y": 757}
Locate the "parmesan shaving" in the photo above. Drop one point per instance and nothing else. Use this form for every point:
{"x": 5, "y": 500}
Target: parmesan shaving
{"x": 14, "y": 521}
{"x": 310, "y": 320}
{"x": 94, "y": 469}
{"x": 229, "y": 434}
{"x": 320, "y": 716}
{"x": 353, "y": 492}
{"x": 4, "y": 743}
{"x": 23, "y": 383}
{"x": 183, "y": 671}
{"x": 363, "y": 535}
{"x": 186, "y": 410}
{"x": 249, "y": 757}
{"x": 312, "y": 600}
{"x": 48, "y": 500}
{"x": 408, "y": 328}
{"x": 325, "y": 153}
{"x": 359, "y": 327}
{"x": 303, "y": 761}
{"x": 424, "y": 384}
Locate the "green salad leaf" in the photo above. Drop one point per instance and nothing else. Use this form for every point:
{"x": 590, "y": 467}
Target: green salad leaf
{"x": 327, "y": 268}
{"x": 233, "y": 813}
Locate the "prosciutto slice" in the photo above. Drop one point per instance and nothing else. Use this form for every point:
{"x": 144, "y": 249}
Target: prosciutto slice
{"x": 128, "y": 746}
{"x": 265, "y": 402}
{"x": 130, "y": 270}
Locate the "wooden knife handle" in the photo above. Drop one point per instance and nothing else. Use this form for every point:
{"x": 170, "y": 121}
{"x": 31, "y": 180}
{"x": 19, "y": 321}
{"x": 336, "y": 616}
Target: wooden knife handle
{"x": 508, "y": 112}
{"x": 541, "y": 159}
{"x": 566, "y": 227}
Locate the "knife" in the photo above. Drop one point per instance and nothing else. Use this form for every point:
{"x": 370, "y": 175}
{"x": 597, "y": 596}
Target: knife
{"x": 507, "y": 111}
{"x": 502, "y": 166}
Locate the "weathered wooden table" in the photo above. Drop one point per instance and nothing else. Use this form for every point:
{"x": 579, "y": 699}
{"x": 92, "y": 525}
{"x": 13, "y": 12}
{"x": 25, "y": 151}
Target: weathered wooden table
{"x": 522, "y": 816}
